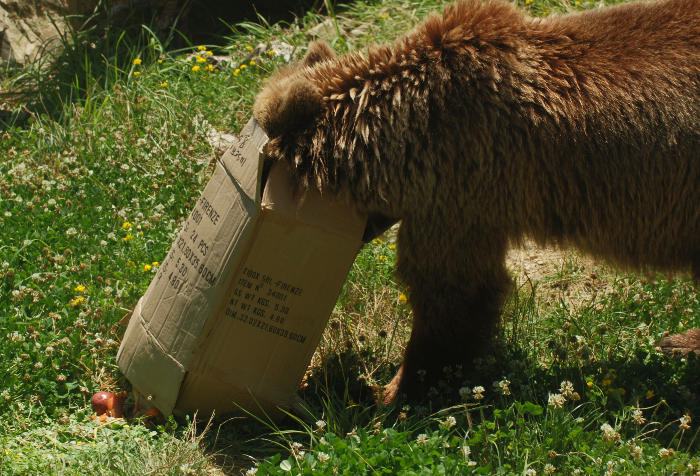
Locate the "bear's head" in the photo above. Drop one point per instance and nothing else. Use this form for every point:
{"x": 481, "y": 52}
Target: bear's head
{"x": 288, "y": 108}
{"x": 290, "y": 101}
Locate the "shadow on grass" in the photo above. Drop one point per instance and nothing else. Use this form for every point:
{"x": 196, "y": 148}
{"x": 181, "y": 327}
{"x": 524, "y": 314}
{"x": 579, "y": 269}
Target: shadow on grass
{"x": 337, "y": 394}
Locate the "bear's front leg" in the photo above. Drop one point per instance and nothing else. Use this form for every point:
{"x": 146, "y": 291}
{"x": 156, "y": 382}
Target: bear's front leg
{"x": 456, "y": 289}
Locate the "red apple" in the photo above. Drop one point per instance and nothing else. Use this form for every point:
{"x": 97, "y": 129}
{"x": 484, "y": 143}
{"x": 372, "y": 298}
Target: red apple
{"x": 106, "y": 403}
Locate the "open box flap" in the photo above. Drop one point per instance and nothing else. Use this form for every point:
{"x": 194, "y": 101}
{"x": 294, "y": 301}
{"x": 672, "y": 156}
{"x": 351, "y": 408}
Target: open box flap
{"x": 309, "y": 207}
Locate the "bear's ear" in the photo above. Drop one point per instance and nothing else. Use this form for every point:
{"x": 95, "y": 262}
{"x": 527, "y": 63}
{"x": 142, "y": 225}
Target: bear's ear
{"x": 288, "y": 104}
{"x": 318, "y": 51}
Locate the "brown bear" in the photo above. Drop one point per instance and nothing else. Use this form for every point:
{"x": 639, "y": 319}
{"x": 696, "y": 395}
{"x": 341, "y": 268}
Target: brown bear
{"x": 483, "y": 126}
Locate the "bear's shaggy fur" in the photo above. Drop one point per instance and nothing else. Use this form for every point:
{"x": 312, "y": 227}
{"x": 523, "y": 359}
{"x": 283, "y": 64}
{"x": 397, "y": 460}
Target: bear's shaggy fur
{"x": 485, "y": 125}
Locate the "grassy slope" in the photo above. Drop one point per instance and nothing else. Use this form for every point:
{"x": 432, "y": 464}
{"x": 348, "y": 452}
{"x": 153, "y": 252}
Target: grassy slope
{"x": 91, "y": 196}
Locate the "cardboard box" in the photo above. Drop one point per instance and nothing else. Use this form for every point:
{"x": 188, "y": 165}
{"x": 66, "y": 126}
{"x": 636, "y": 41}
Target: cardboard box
{"x": 238, "y": 306}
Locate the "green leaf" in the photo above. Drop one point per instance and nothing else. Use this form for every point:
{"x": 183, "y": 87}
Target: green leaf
{"x": 286, "y": 465}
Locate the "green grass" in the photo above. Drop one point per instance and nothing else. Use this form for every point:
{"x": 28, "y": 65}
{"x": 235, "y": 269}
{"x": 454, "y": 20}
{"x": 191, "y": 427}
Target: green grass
{"x": 100, "y": 165}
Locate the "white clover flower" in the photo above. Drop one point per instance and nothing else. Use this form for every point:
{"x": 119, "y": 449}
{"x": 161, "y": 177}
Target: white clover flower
{"x": 685, "y": 422}
{"x": 466, "y": 451}
{"x": 252, "y": 471}
{"x": 637, "y": 416}
{"x": 422, "y": 439}
{"x": 530, "y": 472}
{"x": 449, "y": 422}
{"x": 15, "y": 336}
{"x": 556, "y": 400}
{"x": 478, "y": 392}
{"x": 549, "y": 469}
{"x": 322, "y": 457}
{"x": 566, "y": 388}
{"x": 635, "y": 451}
{"x": 320, "y": 425}
{"x": 71, "y": 232}
{"x": 666, "y": 453}
{"x": 503, "y": 386}
{"x": 609, "y": 433}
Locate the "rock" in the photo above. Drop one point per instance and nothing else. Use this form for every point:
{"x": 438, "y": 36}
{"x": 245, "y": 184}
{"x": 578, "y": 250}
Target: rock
{"x": 27, "y": 28}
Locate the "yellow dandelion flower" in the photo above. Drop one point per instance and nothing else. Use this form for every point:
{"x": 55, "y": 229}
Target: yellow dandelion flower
{"x": 195, "y": 68}
{"x": 160, "y": 61}
{"x": 384, "y": 16}
{"x": 79, "y": 288}
{"x": 252, "y": 63}
{"x": 155, "y": 263}
{"x": 201, "y": 60}
{"x": 77, "y": 301}
{"x": 164, "y": 84}
{"x": 248, "y": 47}
{"x": 243, "y": 66}
{"x": 392, "y": 247}
{"x": 127, "y": 237}
{"x": 589, "y": 383}
{"x": 528, "y": 2}
{"x": 137, "y": 73}
{"x": 402, "y": 299}
{"x": 146, "y": 267}
{"x": 210, "y": 67}
{"x": 382, "y": 258}
{"x": 272, "y": 52}
{"x": 137, "y": 61}
{"x": 209, "y": 53}
{"x": 202, "y": 48}
{"x": 237, "y": 72}
{"x": 126, "y": 225}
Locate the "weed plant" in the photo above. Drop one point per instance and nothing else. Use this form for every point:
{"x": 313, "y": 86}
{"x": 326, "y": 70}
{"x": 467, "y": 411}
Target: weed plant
{"x": 116, "y": 143}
